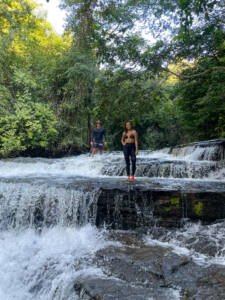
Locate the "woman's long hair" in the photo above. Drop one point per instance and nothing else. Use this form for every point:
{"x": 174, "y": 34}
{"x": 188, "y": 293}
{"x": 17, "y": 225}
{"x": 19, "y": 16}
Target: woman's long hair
{"x": 126, "y": 124}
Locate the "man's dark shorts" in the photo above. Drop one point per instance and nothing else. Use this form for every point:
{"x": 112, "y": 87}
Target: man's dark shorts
{"x": 98, "y": 146}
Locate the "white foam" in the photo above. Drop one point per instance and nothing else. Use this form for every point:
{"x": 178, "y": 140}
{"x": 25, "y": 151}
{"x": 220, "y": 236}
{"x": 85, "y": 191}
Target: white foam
{"x": 81, "y": 165}
{"x": 45, "y": 266}
{"x": 179, "y": 242}
{"x": 218, "y": 175}
{"x": 26, "y": 205}
{"x": 84, "y": 165}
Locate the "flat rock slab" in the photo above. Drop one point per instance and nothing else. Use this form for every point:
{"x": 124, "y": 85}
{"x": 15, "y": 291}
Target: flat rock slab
{"x": 121, "y": 183}
{"x": 115, "y": 289}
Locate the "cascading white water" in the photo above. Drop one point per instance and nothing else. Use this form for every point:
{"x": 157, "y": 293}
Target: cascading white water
{"x": 27, "y": 205}
{"x": 182, "y": 163}
{"x": 195, "y": 152}
{"x": 45, "y": 266}
{"x": 204, "y": 244}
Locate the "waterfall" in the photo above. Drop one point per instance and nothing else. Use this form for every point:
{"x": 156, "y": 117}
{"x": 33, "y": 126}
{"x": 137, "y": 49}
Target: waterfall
{"x": 198, "y": 153}
{"x": 30, "y": 205}
{"x": 197, "y": 161}
{"x": 49, "y": 209}
{"x": 38, "y": 193}
{"x": 45, "y": 266}
{"x": 205, "y": 244}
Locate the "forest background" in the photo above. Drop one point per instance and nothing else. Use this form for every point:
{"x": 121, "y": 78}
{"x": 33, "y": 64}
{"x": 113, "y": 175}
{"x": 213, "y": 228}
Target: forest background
{"x": 54, "y": 87}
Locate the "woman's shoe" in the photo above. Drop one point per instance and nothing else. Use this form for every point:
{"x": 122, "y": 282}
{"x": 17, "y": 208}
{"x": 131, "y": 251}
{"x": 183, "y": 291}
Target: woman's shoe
{"x": 129, "y": 178}
{"x": 132, "y": 178}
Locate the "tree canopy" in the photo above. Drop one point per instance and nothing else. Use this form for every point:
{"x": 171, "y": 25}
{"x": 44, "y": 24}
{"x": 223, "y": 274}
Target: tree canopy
{"x": 168, "y": 82}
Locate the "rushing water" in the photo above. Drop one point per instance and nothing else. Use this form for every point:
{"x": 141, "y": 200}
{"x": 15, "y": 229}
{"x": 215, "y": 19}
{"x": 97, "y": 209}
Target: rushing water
{"x": 149, "y": 164}
{"x": 47, "y": 232}
{"x": 205, "y": 244}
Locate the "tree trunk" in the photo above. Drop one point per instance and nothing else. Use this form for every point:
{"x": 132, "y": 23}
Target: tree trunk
{"x": 89, "y": 129}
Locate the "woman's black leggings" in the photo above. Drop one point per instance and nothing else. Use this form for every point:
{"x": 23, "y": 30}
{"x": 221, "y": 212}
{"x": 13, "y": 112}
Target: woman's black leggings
{"x": 129, "y": 151}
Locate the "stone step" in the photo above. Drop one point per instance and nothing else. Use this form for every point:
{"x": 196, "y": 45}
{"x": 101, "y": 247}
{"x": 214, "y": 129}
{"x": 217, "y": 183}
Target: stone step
{"x": 134, "y": 208}
{"x": 116, "y": 203}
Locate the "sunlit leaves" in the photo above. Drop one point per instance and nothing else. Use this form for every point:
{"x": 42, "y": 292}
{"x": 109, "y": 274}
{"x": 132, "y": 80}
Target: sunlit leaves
{"x": 29, "y": 50}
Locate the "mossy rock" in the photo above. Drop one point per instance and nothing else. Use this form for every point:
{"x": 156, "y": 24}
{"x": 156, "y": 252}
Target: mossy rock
{"x": 167, "y": 209}
{"x": 198, "y": 208}
{"x": 175, "y": 201}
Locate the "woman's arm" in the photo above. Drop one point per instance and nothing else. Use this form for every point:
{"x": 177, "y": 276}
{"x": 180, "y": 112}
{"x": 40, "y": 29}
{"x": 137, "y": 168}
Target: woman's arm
{"x": 136, "y": 142}
{"x": 122, "y": 139}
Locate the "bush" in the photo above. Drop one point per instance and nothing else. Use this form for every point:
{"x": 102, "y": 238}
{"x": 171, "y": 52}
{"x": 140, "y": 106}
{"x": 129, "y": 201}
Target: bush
{"x": 30, "y": 126}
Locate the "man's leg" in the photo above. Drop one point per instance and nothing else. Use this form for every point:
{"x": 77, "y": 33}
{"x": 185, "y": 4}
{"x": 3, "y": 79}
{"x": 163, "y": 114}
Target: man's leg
{"x": 100, "y": 148}
{"x": 93, "y": 151}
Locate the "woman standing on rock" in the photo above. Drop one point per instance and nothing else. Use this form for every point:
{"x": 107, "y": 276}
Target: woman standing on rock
{"x": 129, "y": 141}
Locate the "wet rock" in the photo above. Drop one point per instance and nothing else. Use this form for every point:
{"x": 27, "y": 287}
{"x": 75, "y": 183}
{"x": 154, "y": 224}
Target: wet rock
{"x": 138, "y": 271}
{"x": 139, "y": 208}
{"x": 212, "y": 284}
{"x": 202, "y": 245}
{"x": 114, "y": 289}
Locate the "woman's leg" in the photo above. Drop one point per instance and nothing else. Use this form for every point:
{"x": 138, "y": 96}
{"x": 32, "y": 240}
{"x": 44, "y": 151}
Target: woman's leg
{"x": 133, "y": 160}
{"x": 127, "y": 159}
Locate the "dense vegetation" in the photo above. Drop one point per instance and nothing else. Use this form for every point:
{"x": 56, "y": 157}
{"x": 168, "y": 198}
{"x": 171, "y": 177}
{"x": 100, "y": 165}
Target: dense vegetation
{"x": 53, "y": 88}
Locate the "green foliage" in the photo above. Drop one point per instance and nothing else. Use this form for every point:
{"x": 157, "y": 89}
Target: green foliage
{"x": 29, "y": 50}
{"x": 201, "y": 101}
{"x": 185, "y": 36}
{"x": 123, "y": 95}
{"x": 32, "y": 125}
{"x": 73, "y": 94}
{"x": 52, "y": 88}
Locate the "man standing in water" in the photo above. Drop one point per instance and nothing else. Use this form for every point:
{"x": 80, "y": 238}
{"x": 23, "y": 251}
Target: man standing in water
{"x": 97, "y": 138}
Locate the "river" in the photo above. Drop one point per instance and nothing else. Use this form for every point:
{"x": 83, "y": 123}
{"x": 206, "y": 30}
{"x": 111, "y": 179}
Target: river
{"x": 50, "y": 245}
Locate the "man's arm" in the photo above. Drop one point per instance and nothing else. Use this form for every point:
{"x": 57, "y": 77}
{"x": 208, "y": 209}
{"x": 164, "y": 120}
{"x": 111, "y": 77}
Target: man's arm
{"x": 104, "y": 134}
{"x": 92, "y": 136}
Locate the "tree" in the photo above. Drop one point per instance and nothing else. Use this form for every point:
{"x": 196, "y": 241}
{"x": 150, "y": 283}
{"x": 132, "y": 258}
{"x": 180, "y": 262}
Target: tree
{"x": 184, "y": 30}
{"x": 29, "y": 50}
{"x": 202, "y": 101}
{"x": 145, "y": 101}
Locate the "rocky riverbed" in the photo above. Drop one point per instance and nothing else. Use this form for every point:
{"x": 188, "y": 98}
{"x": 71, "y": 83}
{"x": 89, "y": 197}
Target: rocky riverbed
{"x": 140, "y": 269}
